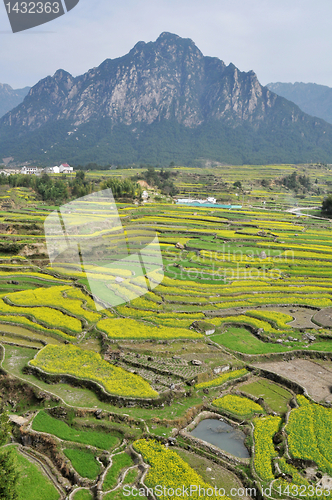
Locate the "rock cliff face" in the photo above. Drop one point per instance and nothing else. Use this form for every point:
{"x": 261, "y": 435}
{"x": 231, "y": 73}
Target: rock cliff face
{"x": 164, "y": 87}
{"x": 163, "y": 80}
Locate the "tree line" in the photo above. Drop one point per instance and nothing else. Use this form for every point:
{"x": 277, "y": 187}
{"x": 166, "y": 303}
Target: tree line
{"x": 60, "y": 190}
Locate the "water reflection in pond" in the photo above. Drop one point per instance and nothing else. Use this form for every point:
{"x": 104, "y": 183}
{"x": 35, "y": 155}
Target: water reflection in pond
{"x": 223, "y": 435}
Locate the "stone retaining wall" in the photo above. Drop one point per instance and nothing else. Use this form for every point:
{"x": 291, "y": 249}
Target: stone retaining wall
{"x": 98, "y": 389}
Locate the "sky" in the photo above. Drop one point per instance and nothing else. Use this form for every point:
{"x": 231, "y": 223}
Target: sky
{"x": 281, "y": 40}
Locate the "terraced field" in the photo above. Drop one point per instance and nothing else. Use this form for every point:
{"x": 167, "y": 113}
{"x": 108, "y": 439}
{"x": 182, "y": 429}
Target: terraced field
{"x": 227, "y": 326}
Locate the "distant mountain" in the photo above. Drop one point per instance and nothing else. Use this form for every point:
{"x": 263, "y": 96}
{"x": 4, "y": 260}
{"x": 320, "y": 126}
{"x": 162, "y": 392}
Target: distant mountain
{"x": 163, "y": 101}
{"x": 316, "y": 100}
{"x": 10, "y": 98}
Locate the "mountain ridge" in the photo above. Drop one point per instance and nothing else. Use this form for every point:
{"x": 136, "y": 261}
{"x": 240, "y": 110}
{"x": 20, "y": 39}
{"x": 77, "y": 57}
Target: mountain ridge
{"x": 312, "y": 98}
{"x": 162, "y": 101}
{"x": 10, "y": 98}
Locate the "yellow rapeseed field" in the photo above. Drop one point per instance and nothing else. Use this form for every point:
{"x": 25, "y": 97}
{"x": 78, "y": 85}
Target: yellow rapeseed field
{"x": 128, "y": 328}
{"x": 72, "y": 360}
{"x": 169, "y": 471}
{"x": 238, "y": 405}
{"x": 222, "y": 378}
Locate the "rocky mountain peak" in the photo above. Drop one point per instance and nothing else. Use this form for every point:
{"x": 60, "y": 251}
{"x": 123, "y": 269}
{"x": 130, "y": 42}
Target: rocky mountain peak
{"x": 62, "y": 76}
{"x": 168, "y": 84}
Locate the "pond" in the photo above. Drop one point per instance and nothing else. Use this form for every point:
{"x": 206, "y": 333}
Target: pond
{"x": 222, "y": 435}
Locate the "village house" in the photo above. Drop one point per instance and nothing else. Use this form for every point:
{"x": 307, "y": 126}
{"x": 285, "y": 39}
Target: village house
{"x": 64, "y": 168}
{"x": 52, "y": 170}
{"x": 30, "y": 170}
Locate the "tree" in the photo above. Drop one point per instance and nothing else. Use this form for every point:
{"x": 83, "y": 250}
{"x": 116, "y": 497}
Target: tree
{"x": 296, "y": 182}
{"x": 8, "y": 476}
{"x": 80, "y": 175}
{"x": 237, "y": 184}
{"x": 5, "y": 428}
{"x": 8, "y": 469}
{"x": 327, "y": 205}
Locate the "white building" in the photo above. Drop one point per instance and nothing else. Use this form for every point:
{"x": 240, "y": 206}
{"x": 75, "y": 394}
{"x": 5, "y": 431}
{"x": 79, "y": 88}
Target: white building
{"x": 65, "y": 168}
{"x": 29, "y": 170}
{"x": 51, "y": 170}
{"x": 5, "y": 172}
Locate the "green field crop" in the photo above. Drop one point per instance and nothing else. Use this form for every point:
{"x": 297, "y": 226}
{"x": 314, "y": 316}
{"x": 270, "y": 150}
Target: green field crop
{"x": 241, "y": 340}
{"x": 32, "y": 483}
{"x": 43, "y": 422}
{"x": 131, "y": 476}
{"x": 84, "y": 462}
{"x": 119, "y": 495}
{"x": 119, "y": 462}
{"x": 274, "y": 395}
{"x": 83, "y": 495}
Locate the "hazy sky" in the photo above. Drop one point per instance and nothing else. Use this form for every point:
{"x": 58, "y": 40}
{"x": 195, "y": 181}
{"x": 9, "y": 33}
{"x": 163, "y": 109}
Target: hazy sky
{"x": 281, "y": 40}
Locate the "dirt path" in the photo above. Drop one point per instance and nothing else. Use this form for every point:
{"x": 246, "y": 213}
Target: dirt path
{"x": 315, "y": 378}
